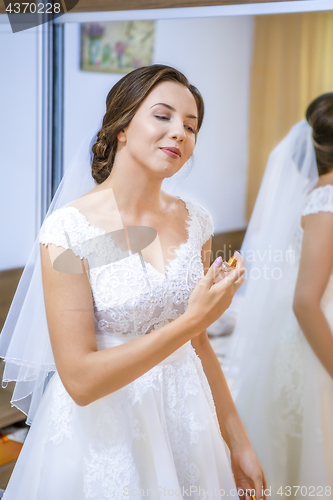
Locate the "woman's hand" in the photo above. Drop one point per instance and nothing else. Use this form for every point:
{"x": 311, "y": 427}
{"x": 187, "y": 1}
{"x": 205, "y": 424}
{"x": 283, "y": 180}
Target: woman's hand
{"x": 248, "y": 474}
{"x": 212, "y": 295}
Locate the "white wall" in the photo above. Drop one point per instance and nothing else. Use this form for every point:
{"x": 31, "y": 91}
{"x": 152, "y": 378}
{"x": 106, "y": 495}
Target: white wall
{"x": 17, "y": 145}
{"x": 215, "y": 55}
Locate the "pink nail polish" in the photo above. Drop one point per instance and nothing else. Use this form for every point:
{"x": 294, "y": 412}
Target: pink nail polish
{"x": 218, "y": 261}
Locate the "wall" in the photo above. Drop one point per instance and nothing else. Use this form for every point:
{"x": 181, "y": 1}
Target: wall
{"x": 18, "y": 126}
{"x": 215, "y": 55}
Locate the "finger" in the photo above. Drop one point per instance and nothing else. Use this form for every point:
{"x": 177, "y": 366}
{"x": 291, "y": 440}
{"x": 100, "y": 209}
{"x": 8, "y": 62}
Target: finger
{"x": 213, "y": 272}
{"x": 239, "y": 259}
{"x": 241, "y": 493}
{"x": 234, "y": 275}
{"x": 265, "y": 487}
{"x": 258, "y": 484}
{"x": 238, "y": 283}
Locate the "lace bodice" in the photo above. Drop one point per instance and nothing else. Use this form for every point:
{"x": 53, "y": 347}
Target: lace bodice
{"x": 131, "y": 296}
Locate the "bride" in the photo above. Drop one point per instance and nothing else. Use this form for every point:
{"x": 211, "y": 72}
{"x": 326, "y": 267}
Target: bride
{"x": 124, "y": 392}
{"x": 281, "y": 358}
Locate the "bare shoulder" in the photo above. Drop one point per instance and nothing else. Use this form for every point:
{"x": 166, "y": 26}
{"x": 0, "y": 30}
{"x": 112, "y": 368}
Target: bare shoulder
{"x": 319, "y": 223}
{"x": 100, "y": 208}
{"x": 87, "y": 201}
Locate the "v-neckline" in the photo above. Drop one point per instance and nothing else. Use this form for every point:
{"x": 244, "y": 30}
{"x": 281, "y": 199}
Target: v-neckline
{"x": 170, "y": 262}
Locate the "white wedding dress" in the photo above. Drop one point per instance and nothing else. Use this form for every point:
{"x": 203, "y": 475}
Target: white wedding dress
{"x": 159, "y": 435}
{"x": 286, "y": 398}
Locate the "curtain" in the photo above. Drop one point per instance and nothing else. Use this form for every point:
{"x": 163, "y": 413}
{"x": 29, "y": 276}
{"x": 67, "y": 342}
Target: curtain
{"x": 292, "y": 64}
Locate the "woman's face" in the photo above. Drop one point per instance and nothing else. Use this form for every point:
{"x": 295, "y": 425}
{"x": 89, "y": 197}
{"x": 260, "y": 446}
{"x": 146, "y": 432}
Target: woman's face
{"x": 167, "y": 118}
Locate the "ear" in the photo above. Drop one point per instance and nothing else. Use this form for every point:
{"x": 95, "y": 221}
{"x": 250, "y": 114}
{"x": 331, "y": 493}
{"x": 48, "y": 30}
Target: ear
{"x": 121, "y": 136}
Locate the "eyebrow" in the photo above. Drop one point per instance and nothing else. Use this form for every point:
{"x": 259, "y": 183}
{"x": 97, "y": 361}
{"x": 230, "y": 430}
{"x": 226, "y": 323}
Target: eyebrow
{"x": 173, "y": 109}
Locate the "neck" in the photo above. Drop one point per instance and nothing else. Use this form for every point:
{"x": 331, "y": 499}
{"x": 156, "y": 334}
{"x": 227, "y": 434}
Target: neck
{"x": 136, "y": 189}
{"x": 325, "y": 179}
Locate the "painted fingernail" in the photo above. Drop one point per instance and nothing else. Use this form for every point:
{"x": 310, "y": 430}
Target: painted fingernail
{"x": 237, "y": 253}
{"x": 218, "y": 261}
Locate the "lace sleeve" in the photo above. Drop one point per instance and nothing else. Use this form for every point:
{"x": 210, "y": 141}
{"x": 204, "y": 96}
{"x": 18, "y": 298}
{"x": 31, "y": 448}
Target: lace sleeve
{"x": 61, "y": 228}
{"x": 319, "y": 200}
{"x": 206, "y": 223}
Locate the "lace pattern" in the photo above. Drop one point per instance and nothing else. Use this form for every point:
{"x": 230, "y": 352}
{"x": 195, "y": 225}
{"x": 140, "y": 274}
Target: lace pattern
{"x": 319, "y": 200}
{"x": 133, "y": 299}
{"x": 129, "y": 297}
{"x": 108, "y": 462}
{"x": 61, "y": 413}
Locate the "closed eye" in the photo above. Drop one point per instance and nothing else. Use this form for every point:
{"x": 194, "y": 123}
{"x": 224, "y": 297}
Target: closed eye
{"x": 162, "y": 117}
{"x": 167, "y": 118}
{"x": 191, "y": 129}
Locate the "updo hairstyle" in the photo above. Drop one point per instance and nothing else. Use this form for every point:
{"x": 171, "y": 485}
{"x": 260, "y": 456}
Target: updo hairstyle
{"x": 122, "y": 102}
{"x": 320, "y": 116}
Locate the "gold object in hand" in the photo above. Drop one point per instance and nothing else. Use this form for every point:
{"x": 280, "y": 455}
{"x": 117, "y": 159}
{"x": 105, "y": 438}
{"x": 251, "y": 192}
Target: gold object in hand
{"x": 231, "y": 264}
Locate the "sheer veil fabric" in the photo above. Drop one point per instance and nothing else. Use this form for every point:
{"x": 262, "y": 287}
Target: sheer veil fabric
{"x": 281, "y": 390}
{"x": 24, "y": 340}
{"x": 270, "y": 251}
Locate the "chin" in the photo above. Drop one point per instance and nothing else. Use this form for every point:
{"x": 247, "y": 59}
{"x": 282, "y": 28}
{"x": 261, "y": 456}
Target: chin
{"x": 164, "y": 169}
{"x": 169, "y": 170}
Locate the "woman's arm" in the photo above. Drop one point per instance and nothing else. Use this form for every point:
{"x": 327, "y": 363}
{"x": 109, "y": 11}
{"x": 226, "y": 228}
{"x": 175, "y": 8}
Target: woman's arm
{"x": 247, "y": 471}
{"x": 89, "y": 374}
{"x": 315, "y": 269}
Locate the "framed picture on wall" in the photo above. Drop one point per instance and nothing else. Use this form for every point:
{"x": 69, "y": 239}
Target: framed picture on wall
{"x": 116, "y": 46}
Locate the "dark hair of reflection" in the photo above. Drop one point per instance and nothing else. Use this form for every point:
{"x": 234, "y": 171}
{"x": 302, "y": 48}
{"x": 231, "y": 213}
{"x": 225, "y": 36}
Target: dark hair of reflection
{"x": 320, "y": 116}
{"x": 122, "y": 102}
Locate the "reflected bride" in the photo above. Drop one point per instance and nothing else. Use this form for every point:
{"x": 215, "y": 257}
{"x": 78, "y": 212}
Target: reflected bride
{"x": 281, "y": 358}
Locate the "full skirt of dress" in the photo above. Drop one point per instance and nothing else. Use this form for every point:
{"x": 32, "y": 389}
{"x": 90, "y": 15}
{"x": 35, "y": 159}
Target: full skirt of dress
{"x": 158, "y": 436}
{"x": 286, "y": 404}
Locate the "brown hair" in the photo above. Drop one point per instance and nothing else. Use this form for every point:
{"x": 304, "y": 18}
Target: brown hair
{"x": 320, "y": 116}
{"x": 122, "y": 102}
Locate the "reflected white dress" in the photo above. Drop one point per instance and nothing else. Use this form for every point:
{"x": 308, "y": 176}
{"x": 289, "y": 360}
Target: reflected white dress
{"x": 157, "y": 436}
{"x": 286, "y": 400}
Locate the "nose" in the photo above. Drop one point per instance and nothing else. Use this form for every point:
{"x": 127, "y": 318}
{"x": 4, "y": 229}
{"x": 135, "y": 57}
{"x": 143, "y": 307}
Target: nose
{"x": 177, "y": 130}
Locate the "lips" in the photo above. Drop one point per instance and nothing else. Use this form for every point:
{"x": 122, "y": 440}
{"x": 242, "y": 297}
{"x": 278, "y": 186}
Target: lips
{"x": 173, "y": 150}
